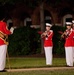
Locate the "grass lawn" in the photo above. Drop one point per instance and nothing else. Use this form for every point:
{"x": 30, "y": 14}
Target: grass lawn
{"x": 34, "y": 62}
{"x": 37, "y": 62}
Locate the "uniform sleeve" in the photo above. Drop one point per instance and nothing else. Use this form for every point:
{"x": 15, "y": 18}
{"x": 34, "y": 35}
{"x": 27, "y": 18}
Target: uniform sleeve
{"x": 73, "y": 34}
{"x": 50, "y": 35}
{"x": 6, "y": 31}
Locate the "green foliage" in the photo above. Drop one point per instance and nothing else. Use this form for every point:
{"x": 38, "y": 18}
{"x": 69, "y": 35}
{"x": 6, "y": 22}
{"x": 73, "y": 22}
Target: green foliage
{"x": 27, "y": 41}
{"x": 58, "y": 43}
{"x": 24, "y": 41}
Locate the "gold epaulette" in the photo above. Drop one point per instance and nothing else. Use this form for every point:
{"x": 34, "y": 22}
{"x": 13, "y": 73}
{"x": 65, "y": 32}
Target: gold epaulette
{"x": 4, "y": 38}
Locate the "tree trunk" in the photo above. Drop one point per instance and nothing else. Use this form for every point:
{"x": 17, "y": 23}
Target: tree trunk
{"x": 42, "y": 25}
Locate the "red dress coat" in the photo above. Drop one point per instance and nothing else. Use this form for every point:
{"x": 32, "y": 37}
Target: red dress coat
{"x": 4, "y": 30}
{"x": 48, "y": 40}
{"x": 73, "y": 37}
{"x": 69, "y": 42}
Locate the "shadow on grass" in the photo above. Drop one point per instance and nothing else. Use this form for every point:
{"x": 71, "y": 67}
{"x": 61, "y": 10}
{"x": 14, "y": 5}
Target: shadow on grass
{"x": 47, "y": 66}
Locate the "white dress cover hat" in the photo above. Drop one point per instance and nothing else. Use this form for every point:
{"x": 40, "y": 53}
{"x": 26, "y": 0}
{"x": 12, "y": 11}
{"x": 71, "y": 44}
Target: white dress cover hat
{"x": 68, "y": 23}
{"x": 72, "y": 21}
{"x": 48, "y": 24}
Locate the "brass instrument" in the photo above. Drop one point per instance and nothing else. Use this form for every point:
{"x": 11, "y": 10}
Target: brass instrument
{"x": 44, "y": 34}
{"x": 65, "y": 34}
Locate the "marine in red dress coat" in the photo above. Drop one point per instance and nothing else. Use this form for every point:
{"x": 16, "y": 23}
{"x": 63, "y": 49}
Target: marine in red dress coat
{"x": 73, "y": 38}
{"x": 68, "y": 34}
{"x": 69, "y": 38}
{"x": 73, "y": 30}
{"x": 4, "y": 31}
{"x": 48, "y": 38}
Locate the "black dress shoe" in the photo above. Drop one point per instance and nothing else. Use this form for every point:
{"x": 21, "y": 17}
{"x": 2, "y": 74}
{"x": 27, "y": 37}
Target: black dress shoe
{"x": 69, "y": 66}
{"x": 3, "y": 71}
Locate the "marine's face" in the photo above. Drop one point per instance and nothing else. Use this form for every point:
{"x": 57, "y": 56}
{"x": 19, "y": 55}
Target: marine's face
{"x": 48, "y": 28}
{"x": 73, "y": 25}
{"x": 68, "y": 26}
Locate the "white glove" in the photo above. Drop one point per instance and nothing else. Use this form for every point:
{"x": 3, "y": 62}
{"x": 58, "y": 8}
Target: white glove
{"x": 12, "y": 29}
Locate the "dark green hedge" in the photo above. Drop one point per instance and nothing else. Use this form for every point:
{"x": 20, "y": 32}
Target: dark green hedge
{"x": 58, "y": 43}
{"x": 23, "y": 41}
{"x": 27, "y": 41}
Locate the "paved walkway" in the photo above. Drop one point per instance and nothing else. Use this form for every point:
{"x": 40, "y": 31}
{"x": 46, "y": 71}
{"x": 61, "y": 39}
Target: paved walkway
{"x": 36, "y": 69}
